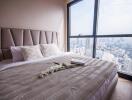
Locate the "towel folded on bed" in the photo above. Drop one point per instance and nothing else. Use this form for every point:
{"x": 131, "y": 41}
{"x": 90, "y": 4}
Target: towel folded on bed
{"x": 78, "y": 62}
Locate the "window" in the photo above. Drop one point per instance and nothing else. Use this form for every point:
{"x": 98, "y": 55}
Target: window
{"x": 115, "y": 17}
{"x": 82, "y": 46}
{"x": 102, "y": 29}
{"x": 117, "y": 50}
{"x": 81, "y": 24}
{"x": 82, "y": 18}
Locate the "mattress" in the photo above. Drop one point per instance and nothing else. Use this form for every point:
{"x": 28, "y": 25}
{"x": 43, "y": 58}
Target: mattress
{"x": 90, "y": 82}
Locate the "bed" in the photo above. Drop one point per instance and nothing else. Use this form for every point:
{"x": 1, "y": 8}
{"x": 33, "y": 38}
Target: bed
{"x": 19, "y": 80}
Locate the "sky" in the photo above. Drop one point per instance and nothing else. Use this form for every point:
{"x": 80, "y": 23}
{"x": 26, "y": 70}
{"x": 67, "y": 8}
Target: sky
{"x": 114, "y": 17}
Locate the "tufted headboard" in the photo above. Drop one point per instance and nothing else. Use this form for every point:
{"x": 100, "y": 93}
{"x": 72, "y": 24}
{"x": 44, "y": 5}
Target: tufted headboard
{"x": 21, "y": 37}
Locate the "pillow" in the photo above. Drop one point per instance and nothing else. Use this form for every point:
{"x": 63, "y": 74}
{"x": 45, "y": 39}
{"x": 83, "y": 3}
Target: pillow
{"x": 31, "y": 52}
{"x": 49, "y": 49}
{"x": 16, "y": 53}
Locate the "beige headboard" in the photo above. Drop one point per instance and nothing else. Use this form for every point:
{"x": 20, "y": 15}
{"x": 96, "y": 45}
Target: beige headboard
{"x": 21, "y": 37}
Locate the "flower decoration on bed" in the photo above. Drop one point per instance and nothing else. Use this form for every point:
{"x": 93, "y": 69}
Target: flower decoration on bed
{"x": 60, "y": 66}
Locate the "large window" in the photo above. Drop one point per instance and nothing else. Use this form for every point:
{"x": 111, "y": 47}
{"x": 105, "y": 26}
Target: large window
{"x": 102, "y": 29}
{"x": 82, "y": 18}
{"x": 81, "y": 23}
{"x": 115, "y": 17}
{"x": 117, "y": 50}
{"x": 82, "y": 46}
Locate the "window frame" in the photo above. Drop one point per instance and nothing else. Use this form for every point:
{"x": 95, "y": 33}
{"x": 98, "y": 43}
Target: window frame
{"x": 94, "y": 34}
{"x": 82, "y": 36}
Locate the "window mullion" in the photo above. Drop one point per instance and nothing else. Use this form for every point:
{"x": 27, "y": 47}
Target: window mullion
{"x": 95, "y": 27}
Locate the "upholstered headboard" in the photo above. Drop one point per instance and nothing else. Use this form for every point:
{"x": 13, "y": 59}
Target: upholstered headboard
{"x": 21, "y": 37}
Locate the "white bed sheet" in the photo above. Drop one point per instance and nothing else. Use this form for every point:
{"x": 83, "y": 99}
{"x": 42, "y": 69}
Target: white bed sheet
{"x": 5, "y": 64}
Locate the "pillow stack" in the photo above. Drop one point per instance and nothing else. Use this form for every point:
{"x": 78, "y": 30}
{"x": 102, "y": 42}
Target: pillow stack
{"x": 49, "y": 50}
{"x": 26, "y": 53}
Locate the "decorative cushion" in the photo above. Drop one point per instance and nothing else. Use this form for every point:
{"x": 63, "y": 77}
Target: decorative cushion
{"x": 31, "y": 52}
{"x": 49, "y": 50}
{"x": 16, "y": 53}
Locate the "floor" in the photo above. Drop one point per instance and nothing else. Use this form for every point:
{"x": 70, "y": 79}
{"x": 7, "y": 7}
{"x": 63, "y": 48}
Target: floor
{"x": 123, "y": 90}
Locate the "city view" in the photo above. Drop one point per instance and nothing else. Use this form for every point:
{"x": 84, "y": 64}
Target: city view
{"x": 82, "y": 46}
{"x": 114, "y": 18}
{"x": 117, "y": 50}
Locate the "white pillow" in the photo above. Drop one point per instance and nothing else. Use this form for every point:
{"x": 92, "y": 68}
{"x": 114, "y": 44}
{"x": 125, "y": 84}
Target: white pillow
{"x": 31, "y": 52}
{"x": 49, "y": 50}
{"x": 16, "y": 53}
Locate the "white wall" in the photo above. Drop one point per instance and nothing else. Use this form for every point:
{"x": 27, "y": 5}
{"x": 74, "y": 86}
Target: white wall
{"x": 35, "y": 14}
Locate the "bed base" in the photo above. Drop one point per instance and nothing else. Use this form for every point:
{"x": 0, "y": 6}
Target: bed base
{"x": 111, "y": 88}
